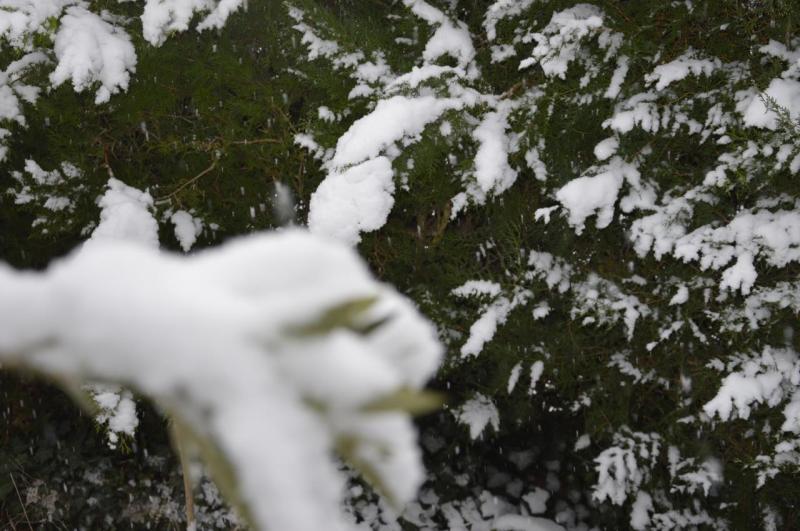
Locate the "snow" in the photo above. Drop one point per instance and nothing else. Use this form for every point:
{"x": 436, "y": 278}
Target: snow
{"x": 425, "y": 11}
{"x": 680, "y": 297}
{"x": 583, "y": 442}
{"x": 217, "y": 338}
{"x": 640, "y": 511}
{"x": 91, "y": 50}
{"x": 356, "y": 200}
{"x": 19, "y": 19}
{"x": 687, "y": 64}
{"x": 597, "y": 193}
{"x": 537, "y": 368}
{"x": 604, "y": 149}
{"x": 785, "y": 93}
{"x": 767, "y": 377}
{"x": 513, "y": 378}
{"x": 392, "y": 120}
{"x": 537, "y": 500}
{"x": 558, "y": 44}
{"x": 624, "y": 467}
{"x": 501, "y": 10}
{"x": 117, "y": 410}
{"x": 492, "y": 170}
{"x": 478, "y": 287}
{"x": 163, "y": 17}
{"x": 125, "y": 215}
{"x": 513, "y": 522}
{"x": 741, "y": 276}
{"x": 478, "y": 413}
{"x": 618, "y": 77}
{"x": 453, "y": 40}
{"x": 483, "y": 330}
{"x": 187, "y": 228}
{"x": 492, "y": 315}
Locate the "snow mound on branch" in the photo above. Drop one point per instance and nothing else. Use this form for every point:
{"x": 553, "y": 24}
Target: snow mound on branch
{"x": 687, "y": 64}
{"x": 785, "y": 93}
{"x": 125, "y": 215}
{"x": 233, "y": 341}
{"x": 19, "y": 19}
{"x": 392, "y": 120}
{"x": 187, "y": 228}
{"x": 450, "y": 39}
{"x": 558, "y": 44}
{"x": 354, "y": 201}
{"x": 162, "y": 17}
{"x": 596, "y": 194}
{"x": 478, "y": 413}
{"x": 358, "y": 193}
{"x": 90, "y": 50}
{"x": 492, "y": 170}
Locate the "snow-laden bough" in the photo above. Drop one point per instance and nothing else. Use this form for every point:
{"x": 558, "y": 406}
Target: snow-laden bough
{"x": 273, "y": 349}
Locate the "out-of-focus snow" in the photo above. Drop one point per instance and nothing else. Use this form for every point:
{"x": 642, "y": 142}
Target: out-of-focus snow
{"x": 218, "y": 338}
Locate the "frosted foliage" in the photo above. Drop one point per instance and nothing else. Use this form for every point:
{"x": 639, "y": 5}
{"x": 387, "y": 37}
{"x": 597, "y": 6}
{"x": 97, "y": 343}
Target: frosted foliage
{"x": 88, "y": 50}
{"x": 46, "y": 188}
{"x": 162, "y": 17}
{"x": 686, "y": 169}
{"x": 688, "y": 64}
{"x": 493, "y": 314}
{"x": 478, "y": 413}
{"x": 19, "y": 19}
{"x": 501, "y": 10}
{"x": 91, "y": 48}
{"x": 116, "y": 411}
{"x": 596, "y": 193}
{"x": 768, "y": 378}
{"x": 14, "y": 92}
{"x": 623, "y": 467}
{"x": 558, "y": 44}
{"x": 102, "y": 314}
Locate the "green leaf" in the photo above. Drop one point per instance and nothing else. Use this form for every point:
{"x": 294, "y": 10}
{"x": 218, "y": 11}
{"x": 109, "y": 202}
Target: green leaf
{"x": 407, "y": 400}
{"x": 348, "y": 315}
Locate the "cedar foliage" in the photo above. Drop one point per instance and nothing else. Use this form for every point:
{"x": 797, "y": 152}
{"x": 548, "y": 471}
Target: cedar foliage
{"x": 233, "y": 102}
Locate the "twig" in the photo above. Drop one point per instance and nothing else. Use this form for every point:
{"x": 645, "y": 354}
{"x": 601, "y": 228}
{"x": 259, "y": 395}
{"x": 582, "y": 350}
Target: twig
{"x": 256, "y": 141}
{"x": 24, "y": 511}
{"x": 187, "y": 480}
{"x": 189, "y": 182}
